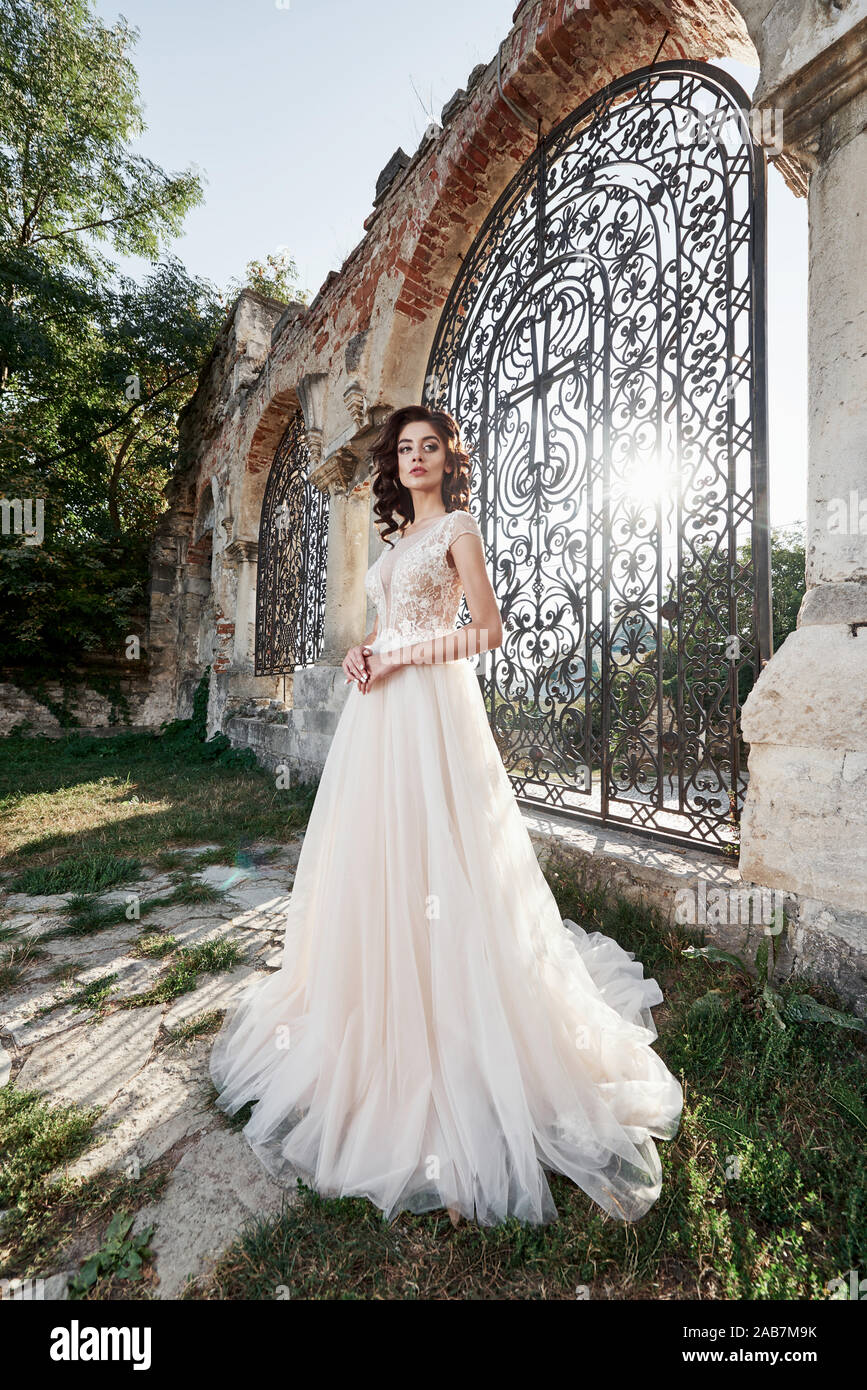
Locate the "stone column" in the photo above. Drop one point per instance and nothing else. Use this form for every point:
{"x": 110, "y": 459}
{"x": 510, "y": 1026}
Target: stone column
{"x": 345, "y": 598}
{"x": 320, "y": 690}
{"x": 243, "y": 555}
{"x": 239, "y": 573}
{"x": 805, "y": 821}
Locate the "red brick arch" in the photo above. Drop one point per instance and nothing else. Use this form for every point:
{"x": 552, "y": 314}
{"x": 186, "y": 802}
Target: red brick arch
{"x": 270, "y": 429}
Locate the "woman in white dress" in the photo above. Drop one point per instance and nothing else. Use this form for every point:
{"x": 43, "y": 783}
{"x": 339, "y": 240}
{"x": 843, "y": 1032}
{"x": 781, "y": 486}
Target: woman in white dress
{"x": 436, "y": 1035}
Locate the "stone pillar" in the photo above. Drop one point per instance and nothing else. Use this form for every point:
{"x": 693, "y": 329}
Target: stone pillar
{"x": 348, "y": 519}
{"x": 320, "y": 691}
{"x": 239, "y": 570}
{"x": 243, "y": 555}
{"x": 805, "y": 820}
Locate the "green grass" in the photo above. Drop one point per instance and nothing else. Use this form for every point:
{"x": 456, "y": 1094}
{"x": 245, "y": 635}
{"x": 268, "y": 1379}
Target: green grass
{"x": 198, "y": 1027}
{"x": 194, "y": 893}
{"x": 94, "y": 995}
{"x": 91, "y": 874}
{"x": 176, "y": 859}
{"x": 35, "y": 1138}
{"x": 154, "y": 945}
{"x": 80, "y": 799}
{"x": 764, "y": 1192}
{"x": 49, "y": 1225}
{"x": 182, "y": 976}
{"x": 88, "y": 915}
{"x": 16, "y": 960}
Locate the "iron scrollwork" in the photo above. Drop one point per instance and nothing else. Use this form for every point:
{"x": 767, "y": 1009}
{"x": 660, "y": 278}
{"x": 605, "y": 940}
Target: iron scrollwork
{"x": 293, "y": 543}
{"x": 603, "y": 349}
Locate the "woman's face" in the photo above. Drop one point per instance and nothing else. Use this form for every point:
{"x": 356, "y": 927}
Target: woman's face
{"x": 421, "y": 461}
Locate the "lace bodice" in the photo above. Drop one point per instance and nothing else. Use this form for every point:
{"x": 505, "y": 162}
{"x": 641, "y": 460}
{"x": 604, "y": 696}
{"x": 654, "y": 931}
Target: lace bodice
{"x": 415, "y": 590}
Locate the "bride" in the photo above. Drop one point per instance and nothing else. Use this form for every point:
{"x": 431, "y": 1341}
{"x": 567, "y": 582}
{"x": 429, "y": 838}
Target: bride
{"x": 436, "y": 1036}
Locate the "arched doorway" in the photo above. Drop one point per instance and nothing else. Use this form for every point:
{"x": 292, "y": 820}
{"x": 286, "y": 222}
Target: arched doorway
{"x": 603, "y": 348}
{"x": 292, "y": 555}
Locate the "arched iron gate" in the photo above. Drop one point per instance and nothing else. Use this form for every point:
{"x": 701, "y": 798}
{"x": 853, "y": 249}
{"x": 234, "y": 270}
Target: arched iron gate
{"x": 603, "y": 349}
{"x": 293, "y": 546}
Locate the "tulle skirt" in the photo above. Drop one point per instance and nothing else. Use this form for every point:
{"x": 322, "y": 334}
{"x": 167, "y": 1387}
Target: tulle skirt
{"x": 436, "y": 1035}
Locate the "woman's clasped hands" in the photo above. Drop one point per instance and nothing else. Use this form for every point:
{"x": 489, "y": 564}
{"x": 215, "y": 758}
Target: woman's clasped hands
{"x": 366, "y": 667}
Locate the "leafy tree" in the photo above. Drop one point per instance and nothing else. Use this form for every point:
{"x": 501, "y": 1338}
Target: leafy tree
{"x": 703, "y": 632}
{"x": 276, "y": 277}
{"x": 703, "y": 636}
{"x": 101, "y": 445}
{"x": 71, "y": 191}
{"x": 93, "y": 368}
{"x": 788, "y": 578}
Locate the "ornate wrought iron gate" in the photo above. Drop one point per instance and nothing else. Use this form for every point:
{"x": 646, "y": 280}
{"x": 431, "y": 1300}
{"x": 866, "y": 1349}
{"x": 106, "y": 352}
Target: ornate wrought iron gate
{"x": 293, "y": 545}
{"x": 603, "y": 349}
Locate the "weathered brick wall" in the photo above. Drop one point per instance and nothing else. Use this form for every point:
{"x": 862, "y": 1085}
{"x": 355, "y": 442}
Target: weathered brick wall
{"x": 190, "y": 624}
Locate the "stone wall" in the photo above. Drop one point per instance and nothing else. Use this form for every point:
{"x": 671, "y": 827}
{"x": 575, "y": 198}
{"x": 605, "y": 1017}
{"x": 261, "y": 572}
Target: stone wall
{"x": 21, "y": 706}
{"x": 194, "y": 584}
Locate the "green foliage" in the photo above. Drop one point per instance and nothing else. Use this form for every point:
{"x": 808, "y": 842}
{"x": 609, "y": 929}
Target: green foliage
{"x": 788, "y": 579}
{"x": 201, "y": 695}
{"x": 93, "y": 368}
{"x": 196, "y": 1027}
{"x": 276, "y": 278}
{"x": 155, "y": 945}
{"x": 190, "y": 735}
{"x": 43, "y": 1217}
{"x": 182, "y": 976}
{"x": 793, "y": 1004}
{"x": 121, "y": 1255}
{"x": 35, "y": 1138}
{"x": 94, "y": 995}
{"x": 90, "y": 874}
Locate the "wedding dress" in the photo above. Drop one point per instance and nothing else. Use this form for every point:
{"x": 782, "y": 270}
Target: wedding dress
{"x": 436, "y": 1035}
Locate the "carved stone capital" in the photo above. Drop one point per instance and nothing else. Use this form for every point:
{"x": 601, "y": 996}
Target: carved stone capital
{"x": 313, "y": 440}
{"x": 356, "y": 403}
{"x": 242, "y": 552}
{"x": 808, "y": 93}
{"x": 337, "y": 472}
{"x": 311, "y": 391}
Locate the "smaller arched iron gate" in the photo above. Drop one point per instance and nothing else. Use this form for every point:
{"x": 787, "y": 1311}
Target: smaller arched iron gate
{"x": 293, "y": 545}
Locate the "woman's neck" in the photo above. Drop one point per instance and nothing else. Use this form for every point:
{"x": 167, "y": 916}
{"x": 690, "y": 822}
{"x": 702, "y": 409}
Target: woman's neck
{"x": 420, "y": 520}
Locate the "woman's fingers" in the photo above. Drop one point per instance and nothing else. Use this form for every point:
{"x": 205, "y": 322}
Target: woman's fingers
{"x": 354, "y": 664}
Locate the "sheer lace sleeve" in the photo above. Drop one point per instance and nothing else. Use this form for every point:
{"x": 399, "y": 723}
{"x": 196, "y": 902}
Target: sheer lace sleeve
{"x": 461, "y": 524}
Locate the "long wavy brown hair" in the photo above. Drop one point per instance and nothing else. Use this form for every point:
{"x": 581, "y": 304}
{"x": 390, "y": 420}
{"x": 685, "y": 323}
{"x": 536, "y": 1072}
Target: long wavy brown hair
{"x": 389, "y": 492}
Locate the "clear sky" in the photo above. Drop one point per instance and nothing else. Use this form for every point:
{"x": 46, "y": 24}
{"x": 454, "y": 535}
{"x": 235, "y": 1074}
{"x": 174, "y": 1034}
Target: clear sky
{"x": 291, "y": 109}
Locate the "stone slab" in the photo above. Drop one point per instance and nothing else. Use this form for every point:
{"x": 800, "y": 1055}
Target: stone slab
{"x": 91, "y": 1064}
{"x": 217, "y": 1187}
{"x": 168, "y": 1100}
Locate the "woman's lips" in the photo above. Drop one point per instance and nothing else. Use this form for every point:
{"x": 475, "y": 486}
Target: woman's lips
{"x": 418, "y": 470}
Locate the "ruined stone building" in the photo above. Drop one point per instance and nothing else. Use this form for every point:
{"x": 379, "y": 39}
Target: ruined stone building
{"x": 582, "y": 284}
